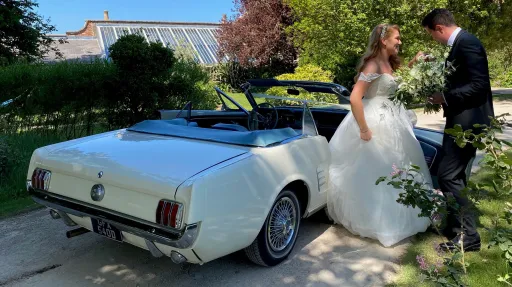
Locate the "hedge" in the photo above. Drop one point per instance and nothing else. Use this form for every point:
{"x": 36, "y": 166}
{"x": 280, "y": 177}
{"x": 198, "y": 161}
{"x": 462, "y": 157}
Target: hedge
{"x": 75, "y": 99}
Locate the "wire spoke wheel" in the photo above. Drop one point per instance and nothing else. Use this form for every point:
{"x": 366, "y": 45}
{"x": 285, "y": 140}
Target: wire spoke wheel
{"x": 282, "y": 224}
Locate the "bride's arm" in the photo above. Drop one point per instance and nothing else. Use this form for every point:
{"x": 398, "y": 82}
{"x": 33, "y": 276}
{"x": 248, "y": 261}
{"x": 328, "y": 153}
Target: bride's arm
{"x": 356, "y": 99}
{"x": 356, "y": 102}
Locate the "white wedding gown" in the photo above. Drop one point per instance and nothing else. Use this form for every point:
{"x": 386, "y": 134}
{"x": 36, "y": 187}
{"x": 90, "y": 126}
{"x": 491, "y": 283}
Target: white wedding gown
{"x": 353, "y": 200}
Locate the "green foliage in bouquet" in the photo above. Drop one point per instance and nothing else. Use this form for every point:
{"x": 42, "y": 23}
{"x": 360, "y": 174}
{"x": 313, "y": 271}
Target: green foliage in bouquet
{"x": 427, "y": 76}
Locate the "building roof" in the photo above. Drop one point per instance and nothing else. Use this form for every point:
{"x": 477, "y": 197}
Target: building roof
{"x": 89, "y": 23}
{"x": 94, "y": 39}
{"x": 75, "y": 49}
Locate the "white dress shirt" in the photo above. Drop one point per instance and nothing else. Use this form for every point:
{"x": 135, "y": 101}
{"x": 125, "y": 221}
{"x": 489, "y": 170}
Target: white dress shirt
{"x": 450, "y": 43}
{"x": 453, "y": 36}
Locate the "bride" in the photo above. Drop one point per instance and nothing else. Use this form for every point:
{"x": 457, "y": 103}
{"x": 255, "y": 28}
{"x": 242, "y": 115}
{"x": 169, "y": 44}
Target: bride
{"x": 373, "y": 137}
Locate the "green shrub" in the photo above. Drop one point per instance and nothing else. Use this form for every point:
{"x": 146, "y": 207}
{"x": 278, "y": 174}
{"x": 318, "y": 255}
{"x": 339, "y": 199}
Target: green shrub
{"x": 15, "y": 153}
{"x": 143, "y": 70}
{"x": 74, "y": 99}
{"x": 506, "y": 80}
{"x": 307, "y": 72}
{"x": 4, "y": 151}
{"x": 230, "y": 75}
{"x": 500, "y": 67}
{"x": 64, "y": 97}
{"x": 189, "y": 81}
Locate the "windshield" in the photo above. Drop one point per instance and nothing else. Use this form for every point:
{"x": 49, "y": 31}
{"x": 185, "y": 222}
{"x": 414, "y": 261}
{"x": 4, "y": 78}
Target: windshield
{"x": 285, "y": 94}
{"x": 293, "y": 96}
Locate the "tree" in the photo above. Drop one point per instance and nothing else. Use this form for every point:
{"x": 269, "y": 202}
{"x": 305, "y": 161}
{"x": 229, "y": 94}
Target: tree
{"x": 334, "y": 33}
{"x": 256, "y": 36}
{"x": 143, "y": 72}
{"x": 23, "y": 33}
{"x": 151, "y": 77}
{"x": 490, "y": 20}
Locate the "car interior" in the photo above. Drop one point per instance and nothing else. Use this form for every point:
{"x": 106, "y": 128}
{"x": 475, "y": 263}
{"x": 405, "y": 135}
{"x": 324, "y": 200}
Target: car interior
{"x": 287, "y": 117}
{"x": 272, "y": 124}
{"x": 264, "y": 117}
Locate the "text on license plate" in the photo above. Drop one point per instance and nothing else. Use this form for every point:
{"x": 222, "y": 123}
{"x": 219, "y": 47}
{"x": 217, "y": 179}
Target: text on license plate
{"x": 106, "y": 229}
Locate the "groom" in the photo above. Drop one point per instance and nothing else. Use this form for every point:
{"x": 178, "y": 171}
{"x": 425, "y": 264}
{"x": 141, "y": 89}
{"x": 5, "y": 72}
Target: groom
{"x": 466, "y": 101}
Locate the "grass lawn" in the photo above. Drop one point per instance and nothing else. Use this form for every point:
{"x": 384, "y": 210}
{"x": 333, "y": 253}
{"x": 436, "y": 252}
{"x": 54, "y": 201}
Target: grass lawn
{"x": 485, "y": 265}
{"x": 17, "y": 149}
{"x": 16, "y": 206}
{"x": 242, "y": 100}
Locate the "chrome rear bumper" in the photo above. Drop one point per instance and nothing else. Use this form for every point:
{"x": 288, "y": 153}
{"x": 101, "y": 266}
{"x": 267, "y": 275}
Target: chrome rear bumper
{"x": 150, "y": 231}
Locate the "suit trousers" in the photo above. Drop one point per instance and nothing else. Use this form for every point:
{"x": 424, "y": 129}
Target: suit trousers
{"x": 452, "y": 180}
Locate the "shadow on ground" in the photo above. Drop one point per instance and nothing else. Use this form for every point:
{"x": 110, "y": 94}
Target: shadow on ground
{"x": 324, "y": 255}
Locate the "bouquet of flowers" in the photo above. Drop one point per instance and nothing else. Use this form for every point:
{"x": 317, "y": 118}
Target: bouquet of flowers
{"x": 427, "y": 76}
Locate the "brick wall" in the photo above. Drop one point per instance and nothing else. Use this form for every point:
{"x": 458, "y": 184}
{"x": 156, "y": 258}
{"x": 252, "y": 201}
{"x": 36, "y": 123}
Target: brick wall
{"x": 88, "y": 30}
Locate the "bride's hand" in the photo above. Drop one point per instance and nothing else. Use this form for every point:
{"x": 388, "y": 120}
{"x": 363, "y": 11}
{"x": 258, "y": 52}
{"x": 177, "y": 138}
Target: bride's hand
{"x": 366, "y": 135}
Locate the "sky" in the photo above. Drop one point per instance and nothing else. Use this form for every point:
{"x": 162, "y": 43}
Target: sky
{"x": 70, "y": 15}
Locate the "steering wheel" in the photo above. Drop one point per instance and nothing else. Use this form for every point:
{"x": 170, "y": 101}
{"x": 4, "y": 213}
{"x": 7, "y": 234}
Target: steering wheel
{"x": 268, "y": 120}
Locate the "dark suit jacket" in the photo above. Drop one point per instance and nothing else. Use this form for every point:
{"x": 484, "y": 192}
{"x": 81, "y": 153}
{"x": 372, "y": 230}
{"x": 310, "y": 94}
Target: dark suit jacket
{"x": 468, "y": 96}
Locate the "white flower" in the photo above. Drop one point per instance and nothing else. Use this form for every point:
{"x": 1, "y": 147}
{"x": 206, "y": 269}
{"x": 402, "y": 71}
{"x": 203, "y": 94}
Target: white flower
{"x": 423, "y": 79}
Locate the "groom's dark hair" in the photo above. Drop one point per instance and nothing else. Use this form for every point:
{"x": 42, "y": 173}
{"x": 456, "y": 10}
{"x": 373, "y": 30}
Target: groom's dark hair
{"x": 438, "y": 17}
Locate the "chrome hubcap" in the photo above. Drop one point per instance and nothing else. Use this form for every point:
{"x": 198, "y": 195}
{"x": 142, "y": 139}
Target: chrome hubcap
{"x": 282, "y": 225}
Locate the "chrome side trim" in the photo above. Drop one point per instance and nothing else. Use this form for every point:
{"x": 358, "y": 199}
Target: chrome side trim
{"x": 315, "y": 210}
{"x": 183, "y": 240}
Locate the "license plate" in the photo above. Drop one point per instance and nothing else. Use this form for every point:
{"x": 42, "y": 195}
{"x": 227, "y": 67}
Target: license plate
{"x": 106, "y": 229}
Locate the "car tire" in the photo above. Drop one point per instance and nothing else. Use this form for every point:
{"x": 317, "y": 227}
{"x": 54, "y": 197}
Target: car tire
{"x": 266, "y": 252}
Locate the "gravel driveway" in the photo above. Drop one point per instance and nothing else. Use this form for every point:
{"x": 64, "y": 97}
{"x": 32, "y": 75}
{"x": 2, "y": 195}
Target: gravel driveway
{"x": 35, "y": 252}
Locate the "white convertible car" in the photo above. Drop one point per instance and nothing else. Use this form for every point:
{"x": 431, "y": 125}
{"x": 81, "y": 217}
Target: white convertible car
{"x": 197, "y": 185}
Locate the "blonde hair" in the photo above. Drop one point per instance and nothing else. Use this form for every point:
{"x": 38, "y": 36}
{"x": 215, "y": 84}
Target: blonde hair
{"x": 381, "y": 31}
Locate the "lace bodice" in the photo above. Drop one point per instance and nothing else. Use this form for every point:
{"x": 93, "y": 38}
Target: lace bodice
{"x": 382, "y": 85}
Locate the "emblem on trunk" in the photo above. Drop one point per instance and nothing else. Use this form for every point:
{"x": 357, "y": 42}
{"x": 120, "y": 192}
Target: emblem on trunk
{"x": 97, "y": 192}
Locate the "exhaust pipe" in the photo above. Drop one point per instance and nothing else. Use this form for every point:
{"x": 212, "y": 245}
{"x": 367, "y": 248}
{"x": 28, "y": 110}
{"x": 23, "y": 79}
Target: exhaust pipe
{"x": 76, "y": 232}
{"x": 177, "y": 257}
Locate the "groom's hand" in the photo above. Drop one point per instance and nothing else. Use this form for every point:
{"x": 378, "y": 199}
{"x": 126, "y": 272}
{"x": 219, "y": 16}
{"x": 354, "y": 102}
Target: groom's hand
{"x": 436, "y": 98}
{"x": 415, "y": 59}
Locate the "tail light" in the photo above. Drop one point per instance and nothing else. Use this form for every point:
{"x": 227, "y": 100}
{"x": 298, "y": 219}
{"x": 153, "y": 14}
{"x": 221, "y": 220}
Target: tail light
{"x": 41, "y": 179}
{"x": 169, "y": 213}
